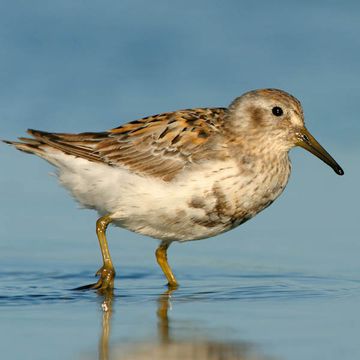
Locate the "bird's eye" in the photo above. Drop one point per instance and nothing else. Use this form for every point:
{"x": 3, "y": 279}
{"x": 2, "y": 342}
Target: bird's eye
{"x": 277, "y": 111}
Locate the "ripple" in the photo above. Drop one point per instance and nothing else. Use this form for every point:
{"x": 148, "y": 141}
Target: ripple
{"x": 32, "y": 288}
{"x": 287, "y": 286}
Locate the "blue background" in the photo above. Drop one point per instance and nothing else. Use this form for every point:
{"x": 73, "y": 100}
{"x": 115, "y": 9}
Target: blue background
{"x": 73, "y": 66}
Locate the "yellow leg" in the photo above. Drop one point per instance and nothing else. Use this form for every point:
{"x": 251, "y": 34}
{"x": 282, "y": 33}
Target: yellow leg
{"x": 101, "y": 226}
{"x": 107, "y": 271}
{"x": 161, "y": 257}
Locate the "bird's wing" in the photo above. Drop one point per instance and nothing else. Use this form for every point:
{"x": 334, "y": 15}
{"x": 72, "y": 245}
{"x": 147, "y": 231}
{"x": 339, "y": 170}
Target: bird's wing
{"x": 160, "y": 145}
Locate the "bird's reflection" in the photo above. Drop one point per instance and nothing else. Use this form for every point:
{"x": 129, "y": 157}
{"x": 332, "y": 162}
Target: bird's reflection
{"x": 163, "y": 319}
{"x": 168, "y": 347}
{"x": 106, "y": 305}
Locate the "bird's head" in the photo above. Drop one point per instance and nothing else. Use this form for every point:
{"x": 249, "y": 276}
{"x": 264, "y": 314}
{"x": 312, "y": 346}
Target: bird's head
{"x": 275, "y": 120}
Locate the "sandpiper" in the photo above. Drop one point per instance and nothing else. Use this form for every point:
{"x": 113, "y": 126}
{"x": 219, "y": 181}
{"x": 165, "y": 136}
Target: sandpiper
{"x": 184, "y": 175}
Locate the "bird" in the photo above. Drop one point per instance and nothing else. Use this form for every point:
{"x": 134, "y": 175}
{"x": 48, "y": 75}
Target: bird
{"x": 180, "y": 176}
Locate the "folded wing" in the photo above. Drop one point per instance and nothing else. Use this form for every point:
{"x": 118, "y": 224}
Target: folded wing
{"x": 160, "y": 145}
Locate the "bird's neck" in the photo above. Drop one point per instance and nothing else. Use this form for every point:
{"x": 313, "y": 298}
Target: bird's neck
{"x": 262, "y": 161}
{"x": 255, "y": 147}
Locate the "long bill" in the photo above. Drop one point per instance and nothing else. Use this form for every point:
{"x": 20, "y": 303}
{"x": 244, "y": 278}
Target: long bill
{"x": 308, "y": 142}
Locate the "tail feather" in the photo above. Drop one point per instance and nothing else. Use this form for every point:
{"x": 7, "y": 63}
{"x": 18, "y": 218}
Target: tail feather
{"x": 30, "y": 147}
{"x": 29, "y": 141}
{"x": 80, "y": 145}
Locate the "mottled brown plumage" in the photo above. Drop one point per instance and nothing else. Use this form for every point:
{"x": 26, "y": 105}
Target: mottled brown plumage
{"x": 161, "y": 145}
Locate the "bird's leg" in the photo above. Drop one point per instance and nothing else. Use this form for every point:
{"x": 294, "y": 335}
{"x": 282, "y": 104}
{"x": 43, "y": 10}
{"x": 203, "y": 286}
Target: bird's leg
{"x": 161, "y": 257}
{"x": 107, "y": 271}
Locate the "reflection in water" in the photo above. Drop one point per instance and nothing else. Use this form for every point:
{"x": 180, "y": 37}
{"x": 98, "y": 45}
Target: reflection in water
{"x": 162, "y": 313}
{"x": 106, "y": 306}
{"x": 168, "y": 347}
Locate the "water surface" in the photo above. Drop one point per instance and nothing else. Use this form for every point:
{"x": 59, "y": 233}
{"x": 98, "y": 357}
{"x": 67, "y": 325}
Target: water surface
{"x": 253, "y": 314}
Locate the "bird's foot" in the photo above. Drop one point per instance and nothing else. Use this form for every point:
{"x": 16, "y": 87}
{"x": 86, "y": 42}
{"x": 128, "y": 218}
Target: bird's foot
{"x": 172, "y": 286}
{"x": 106, "y": 280}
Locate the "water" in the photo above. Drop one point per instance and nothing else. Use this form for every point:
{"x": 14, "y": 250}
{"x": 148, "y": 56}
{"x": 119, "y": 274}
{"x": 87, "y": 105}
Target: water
{"x": 243, "y": 314}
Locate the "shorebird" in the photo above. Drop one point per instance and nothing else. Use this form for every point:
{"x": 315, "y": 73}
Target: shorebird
{"x": 184, "y": 175}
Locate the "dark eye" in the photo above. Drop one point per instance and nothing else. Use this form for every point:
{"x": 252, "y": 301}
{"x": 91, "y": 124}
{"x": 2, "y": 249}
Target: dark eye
{"x": 277, "y": 111}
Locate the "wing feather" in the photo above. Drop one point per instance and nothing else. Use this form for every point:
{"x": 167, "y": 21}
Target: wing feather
{"x": 160, "y": 145}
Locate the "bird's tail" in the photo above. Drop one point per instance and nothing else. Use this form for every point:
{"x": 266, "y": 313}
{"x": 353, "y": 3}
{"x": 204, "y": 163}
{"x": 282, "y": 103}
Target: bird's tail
{"x": 44, "y": 144}
{"x": 29, "y": 145}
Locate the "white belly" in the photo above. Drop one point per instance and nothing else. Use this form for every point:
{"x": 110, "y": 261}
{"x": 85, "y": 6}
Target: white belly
{"x": 197, "y": 205}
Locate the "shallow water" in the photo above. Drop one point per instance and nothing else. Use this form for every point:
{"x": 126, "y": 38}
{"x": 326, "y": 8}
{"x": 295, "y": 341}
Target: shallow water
{"x": 214, "y": 314}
